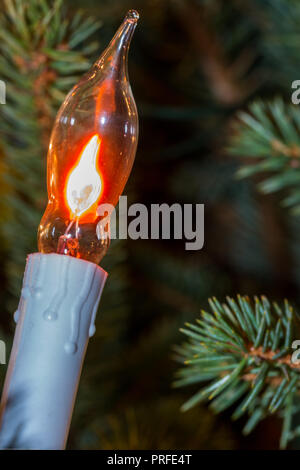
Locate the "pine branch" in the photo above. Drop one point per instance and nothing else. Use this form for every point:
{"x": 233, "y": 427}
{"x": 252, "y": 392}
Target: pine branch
{"x": 269, "y": 137}
{"x": 243, "y": 350}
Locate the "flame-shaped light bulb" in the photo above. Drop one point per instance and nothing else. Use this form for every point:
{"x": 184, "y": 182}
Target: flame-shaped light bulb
{"x": 91, "y": 153}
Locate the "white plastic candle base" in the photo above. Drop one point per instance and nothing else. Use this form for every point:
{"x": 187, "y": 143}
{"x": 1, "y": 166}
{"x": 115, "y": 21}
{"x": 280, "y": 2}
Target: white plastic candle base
{"x": 55, "y": 319}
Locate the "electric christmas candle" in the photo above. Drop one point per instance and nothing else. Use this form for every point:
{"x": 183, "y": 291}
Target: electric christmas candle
{"x": 91, "y": 153}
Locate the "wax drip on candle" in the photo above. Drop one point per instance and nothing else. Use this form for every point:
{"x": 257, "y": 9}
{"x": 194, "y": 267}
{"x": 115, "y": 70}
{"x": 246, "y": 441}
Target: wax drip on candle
{"x": 92, "y": 328}
{"x": 51, "y": 313}
{"x": 71, "y": 346}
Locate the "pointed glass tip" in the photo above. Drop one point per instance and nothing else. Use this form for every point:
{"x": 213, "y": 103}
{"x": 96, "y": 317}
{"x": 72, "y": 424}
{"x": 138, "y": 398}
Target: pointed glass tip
{"x": 132, "y": 16}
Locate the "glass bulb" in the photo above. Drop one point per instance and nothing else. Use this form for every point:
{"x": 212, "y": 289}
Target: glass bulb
{"x": 91, "y": 153}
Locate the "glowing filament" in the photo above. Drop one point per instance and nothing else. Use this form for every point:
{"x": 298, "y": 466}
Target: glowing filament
{"x": 84, "y": 183}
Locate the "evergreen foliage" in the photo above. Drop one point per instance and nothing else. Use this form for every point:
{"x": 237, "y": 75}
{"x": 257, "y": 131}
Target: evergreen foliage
{"x": 243, "y": 349}
{"x": 268, "y": 137}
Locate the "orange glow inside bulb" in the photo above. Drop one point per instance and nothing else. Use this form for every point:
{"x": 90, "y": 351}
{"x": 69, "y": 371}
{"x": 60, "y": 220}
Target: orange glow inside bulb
{"x": 84, "y": 183}
{"x": 91, "y": 153}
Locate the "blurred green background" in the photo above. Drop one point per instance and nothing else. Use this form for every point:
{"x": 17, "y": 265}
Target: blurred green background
{"x": 193, "y": 64}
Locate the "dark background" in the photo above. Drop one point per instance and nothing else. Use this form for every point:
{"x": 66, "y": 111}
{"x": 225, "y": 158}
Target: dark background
{"x": 192, "y": 65}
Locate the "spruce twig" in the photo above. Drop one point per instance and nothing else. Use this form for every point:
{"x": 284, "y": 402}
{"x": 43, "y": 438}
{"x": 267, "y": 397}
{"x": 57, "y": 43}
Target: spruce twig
{"x": 242, "y": 348}
{"x": 268, "y": 135}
